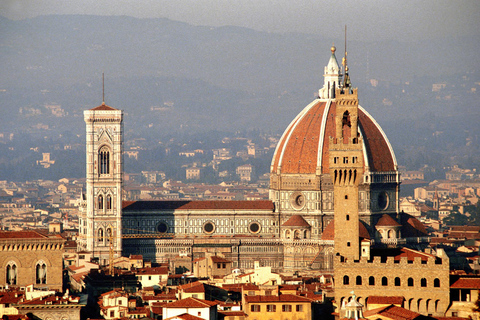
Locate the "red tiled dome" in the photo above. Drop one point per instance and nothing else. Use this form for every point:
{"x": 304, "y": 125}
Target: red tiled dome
{"x": 305, "y": 143}
{"x": 387, "y": 221}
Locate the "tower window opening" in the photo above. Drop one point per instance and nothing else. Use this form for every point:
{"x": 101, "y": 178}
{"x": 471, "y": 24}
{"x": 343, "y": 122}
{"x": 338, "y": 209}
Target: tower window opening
{"x": 100, "y": 202}
{"x": 384, "y": 281}
{"x": 104, "y": 160}
{"x": 348, "y": 217}
{"x": 346, "y": 197}
{"x": 345, "y": 160}
{"x": 371, "y": 281}
{"x": 348, "y": 244}
{"x": 346, "y": 280}
{"x": 109, "y": 202}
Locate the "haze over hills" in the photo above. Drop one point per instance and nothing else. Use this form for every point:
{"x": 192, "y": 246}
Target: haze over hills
{"x": 171, "y": 77}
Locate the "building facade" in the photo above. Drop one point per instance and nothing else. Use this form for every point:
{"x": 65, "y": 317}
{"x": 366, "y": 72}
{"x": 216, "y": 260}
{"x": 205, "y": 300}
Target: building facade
{"x": 333, "y": 171}
{"x": 29, "y": 257}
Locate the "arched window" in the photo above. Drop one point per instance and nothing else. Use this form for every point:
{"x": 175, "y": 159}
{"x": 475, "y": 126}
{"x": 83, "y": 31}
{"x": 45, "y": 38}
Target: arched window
{"x": 436, "y": 283}
{"x": 100, "y": 202}
{"x": 109, "y": 235}
{"x": 109, "y": 202}
{"x": 11, "y": 273}
{"x": 410, "y": 282}
{"x": 346, "y": 280}
{"x": 423, "y": 282}
{"x": 384, "y": 281}
{"x": 41, "y": 272}
{"x": 100, "y": 235}
{"x": 104, "y": 160}
{"x": 296, "y": 234}
{"x": 305, "y": 234}
{"x": 371, "y": 281}
{"x": 359, "y": 281}
{"x": 397, "y": 282}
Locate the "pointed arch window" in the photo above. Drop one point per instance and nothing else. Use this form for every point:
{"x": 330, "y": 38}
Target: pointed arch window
{"x": 109, "y": 236}
{"x": 41, "y": 272}
{"x": 104, "y": 160}
{"x": 11, "y": 273}
{"x": 109, "y": 202}
{"x": 100, "y": 202}
{"x": 100, "y": 235}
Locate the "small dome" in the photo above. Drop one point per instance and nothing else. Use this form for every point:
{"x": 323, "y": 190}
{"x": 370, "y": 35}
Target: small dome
{"x": 296, "y": 221}
{"x": 387, "y": 221}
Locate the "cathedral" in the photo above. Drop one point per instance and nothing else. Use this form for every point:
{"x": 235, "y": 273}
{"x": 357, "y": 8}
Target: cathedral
{"x": 333, "y": 201}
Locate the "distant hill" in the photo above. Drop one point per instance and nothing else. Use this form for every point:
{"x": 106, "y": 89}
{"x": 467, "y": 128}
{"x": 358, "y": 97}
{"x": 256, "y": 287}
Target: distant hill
{"x": 172, "y": 77}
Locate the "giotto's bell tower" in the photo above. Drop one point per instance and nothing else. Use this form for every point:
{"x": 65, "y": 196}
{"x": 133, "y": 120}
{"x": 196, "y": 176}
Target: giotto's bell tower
{"x": 102, "y": 229}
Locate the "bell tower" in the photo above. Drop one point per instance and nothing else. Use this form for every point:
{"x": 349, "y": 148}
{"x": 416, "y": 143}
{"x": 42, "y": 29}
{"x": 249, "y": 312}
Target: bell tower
{"x": 102, "y": 229}
{"x": 346, "y": 169}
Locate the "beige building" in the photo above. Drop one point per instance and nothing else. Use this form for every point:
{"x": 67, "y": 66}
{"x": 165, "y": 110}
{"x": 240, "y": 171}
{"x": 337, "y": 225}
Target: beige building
{"x": 28, "y": 257}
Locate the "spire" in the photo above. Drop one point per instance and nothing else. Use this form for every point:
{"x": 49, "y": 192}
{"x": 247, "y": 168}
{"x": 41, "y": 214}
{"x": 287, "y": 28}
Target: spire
{"x": 347, "y": 84}
{"x": 103, "y": 88}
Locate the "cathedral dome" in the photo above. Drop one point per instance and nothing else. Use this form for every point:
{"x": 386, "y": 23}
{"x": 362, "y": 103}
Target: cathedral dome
{"x": 304, "y": 146}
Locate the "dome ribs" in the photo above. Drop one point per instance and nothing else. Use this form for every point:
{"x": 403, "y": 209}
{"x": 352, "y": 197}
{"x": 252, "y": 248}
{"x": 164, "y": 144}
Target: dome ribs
{"x": 302, "y": 148}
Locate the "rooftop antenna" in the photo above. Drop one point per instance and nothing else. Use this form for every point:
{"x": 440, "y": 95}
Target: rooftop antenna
{"x": 103, "y": 88}
{"x": 346, "y": 78}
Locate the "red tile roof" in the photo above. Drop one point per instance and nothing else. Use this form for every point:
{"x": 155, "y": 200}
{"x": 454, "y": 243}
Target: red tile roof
{"x": 297, "y": 150}
{"x": 198, "y": 205}
{"x": 393, "y": 312}
{"x": 296, "y": 221}
{"x": 217, "y": 259}
{"x": 466, "y": 283}
{"x": 155, "y": 270}
{"x": 103, "y": 107}
{"x": 21, "y": 235}
{"x": 190, "y": 303}
{"x": 387, "y": 221}
{"x": 185, "y": 316}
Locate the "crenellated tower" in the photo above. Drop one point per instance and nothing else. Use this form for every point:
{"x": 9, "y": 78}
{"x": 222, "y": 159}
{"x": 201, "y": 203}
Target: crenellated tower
{"x": 346, "y": 170}
{"x": 100, "y": 224}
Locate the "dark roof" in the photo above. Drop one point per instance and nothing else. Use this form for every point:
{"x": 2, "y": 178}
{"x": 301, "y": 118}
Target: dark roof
{"x": 198, "y": 205}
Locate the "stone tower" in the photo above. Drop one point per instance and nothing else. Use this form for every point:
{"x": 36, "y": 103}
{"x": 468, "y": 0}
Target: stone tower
{"x": 101, "y": 225}
{"x": 346, "y": 169}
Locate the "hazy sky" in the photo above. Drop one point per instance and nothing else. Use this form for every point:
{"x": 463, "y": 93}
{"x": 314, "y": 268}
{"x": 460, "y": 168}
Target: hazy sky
{"x": 366, "y": 19}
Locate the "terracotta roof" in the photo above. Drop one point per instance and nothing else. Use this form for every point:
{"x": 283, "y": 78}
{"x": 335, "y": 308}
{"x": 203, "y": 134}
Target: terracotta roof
{"x": 411, "y": 226}
{"x": 329, "y": 231}
{"x": 217, "y": 259}
{"x": 103, "y": 107}
{"x": 156, "y": 270}
{"x": 393, "y": 312}
{"x": 232, "y": 313}
{"x": 21, "y": 235}
{"x": 280, "y": 298}
{"x": 296, "y": 221}
{"x": 185, "y": 316}
{"x": 198, "y": 205}
{"x": 387, "y": 221}
{"x": 466, "y": 283}
{"x": 385, "y": 300}
{"x": 190, "y": 303}
{"x": 298, "y": 150}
